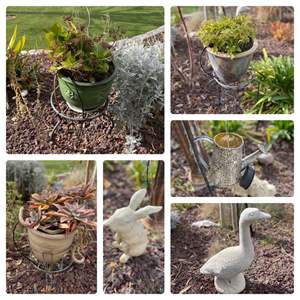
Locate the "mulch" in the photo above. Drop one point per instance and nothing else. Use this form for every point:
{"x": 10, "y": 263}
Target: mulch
{"x": 23, "y": 278}
{"x": 280, "y": 173}
{"x": 272, "y": 271}
{"x": 140, "y": 275}
{"x": 32, "y": 134}
{"x": 206, "y": 97}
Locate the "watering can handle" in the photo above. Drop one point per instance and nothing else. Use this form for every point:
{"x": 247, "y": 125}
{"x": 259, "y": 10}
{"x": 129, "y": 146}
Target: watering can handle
{"x": 204, "y": 138}
{"x": 201, "y": 138}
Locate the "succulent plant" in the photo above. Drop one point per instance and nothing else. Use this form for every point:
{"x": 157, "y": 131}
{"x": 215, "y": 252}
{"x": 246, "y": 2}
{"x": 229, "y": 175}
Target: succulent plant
{"x": 61, "y": 212}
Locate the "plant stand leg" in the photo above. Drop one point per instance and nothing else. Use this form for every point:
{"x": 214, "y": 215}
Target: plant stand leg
{"x": 55, "y": 127}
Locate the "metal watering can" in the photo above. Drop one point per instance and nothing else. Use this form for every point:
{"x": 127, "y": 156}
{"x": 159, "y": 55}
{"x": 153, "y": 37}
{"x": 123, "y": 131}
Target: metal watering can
{"x": 227, "y": 165}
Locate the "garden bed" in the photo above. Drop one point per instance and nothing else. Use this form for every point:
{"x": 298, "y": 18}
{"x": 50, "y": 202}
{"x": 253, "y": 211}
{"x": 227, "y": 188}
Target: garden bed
{"x": 280, "y": 173}
{"x": 204, "y": 97}
{"x": 140, "y": 275}
{"x": 272, "y": 271}
{"x": 98, "y": 136}
{"x": 23, "y": 278}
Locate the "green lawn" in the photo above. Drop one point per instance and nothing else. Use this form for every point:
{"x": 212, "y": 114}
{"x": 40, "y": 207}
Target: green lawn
{"x": 32, "y": 20}
{"x": 55, "y": 167}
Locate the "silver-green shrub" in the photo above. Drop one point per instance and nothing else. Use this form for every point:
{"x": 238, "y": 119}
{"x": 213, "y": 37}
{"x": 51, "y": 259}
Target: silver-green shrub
{"x": 139, "y": 83}
{"x": 29, "y": 176}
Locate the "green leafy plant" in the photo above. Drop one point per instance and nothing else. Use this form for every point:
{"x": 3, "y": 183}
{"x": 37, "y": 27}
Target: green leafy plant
{"x": 280, "y": 130}
{"x": 20, "y": 74}
{"x": 63, "y": 212}
{"x": 77, "y": 55}
{"x": 245, "y": 129}
{"x": 273, "y": 89}
{"x": 141, "y": 171}
{"x": 228, "y": 35}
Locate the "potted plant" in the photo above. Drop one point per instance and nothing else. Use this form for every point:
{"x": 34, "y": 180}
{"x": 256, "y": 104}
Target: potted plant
{"x": 53, "y": 219}
{"x": 84, "y": 65}
{"x": 230, "y": 43}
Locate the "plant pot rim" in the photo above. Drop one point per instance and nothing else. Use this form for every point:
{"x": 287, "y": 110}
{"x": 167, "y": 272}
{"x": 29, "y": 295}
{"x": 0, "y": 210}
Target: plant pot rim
{"x": 59, "y": 236}
{"x": 81, "y": 83}
{"x": 239, "y": 55}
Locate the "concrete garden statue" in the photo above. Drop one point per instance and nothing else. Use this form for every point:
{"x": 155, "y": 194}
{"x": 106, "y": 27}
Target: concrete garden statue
{"x": 228, "y": 265}
{"x": 131, "y": 236}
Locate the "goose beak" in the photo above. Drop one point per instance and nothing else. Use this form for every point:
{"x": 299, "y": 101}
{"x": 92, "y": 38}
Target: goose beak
{"x": 264, "y": 215}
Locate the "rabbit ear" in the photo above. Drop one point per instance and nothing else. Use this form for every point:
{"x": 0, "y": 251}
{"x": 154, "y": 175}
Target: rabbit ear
{"x": 146, "y": 211}
{"x": 107, "y": 222}
{"x": 137, "y": 199}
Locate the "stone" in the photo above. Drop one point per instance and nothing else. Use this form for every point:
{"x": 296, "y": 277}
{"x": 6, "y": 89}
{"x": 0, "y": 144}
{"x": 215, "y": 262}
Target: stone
{"x": 265, "y": 159}
{"x": 130, "y": 234}
{"x": 228, "y": 265}
{"x": 204, "y": 223}
{"x": 258, "y": 188}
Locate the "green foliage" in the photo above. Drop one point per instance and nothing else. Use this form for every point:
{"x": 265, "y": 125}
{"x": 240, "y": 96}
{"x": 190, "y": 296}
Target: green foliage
{"x": 19, "y": 73}
{"x": 75, "y": 54}
{"x": 13, "y": 203}
{"x": 280, "y": 130}
{"x": 273, "y": 91}
{"x": 227, "y": 126}
{"x": 138, "y": 171}
{"x": 228, "y": 35}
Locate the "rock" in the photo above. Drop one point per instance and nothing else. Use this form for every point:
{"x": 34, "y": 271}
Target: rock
{"x": 265, "y": 158}
{"x": 258, "y": 188}
{"x": 174, "y": 220}
{"x": 204, "y": 223}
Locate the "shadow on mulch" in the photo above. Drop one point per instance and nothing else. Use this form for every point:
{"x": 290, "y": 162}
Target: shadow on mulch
{"x": 140, "y": 275}
{"x": 206, "y": 97}
{"x": 272, "y": 271}
{"x": 23, "y": 278}
{"x": 97, "y": 136}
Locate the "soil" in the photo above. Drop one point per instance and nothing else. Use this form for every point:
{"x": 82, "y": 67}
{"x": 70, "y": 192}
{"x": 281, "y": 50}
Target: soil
{"x": 206, "y": 96}
{"x": 280, "y": 173}
{"x": 272, "y": 271}
{"x": 23, "y": 278}
{"x": 33, "y": 133}
{"x": 140, "y": 275}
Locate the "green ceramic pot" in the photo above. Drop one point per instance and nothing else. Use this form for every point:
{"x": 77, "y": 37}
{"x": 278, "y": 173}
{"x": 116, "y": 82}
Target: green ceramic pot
{"x": 83, "y": 95}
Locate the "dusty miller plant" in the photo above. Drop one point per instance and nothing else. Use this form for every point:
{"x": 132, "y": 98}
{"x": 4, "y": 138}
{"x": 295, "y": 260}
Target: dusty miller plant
{"x": 139, "y": 84}
{"x": 29, "y": 176}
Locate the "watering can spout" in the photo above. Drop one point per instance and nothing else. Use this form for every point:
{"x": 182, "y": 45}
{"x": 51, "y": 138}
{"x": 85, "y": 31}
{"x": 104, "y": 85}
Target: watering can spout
{"x": 246, "y": 161}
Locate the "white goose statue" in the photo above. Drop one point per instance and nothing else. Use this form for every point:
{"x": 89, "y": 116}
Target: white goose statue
{"x": 228, "y": 265}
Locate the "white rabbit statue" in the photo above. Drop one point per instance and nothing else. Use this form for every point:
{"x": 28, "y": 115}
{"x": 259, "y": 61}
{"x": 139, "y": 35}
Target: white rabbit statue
{"x": 131, "y": 236}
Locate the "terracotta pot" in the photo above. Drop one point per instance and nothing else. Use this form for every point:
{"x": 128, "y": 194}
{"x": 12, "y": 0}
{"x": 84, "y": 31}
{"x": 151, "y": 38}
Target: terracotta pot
{"x": 228, "y": 68}
{"x": 48, "y": 248}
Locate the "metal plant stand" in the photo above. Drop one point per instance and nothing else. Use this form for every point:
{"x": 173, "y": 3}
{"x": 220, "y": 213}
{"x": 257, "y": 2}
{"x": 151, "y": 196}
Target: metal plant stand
{"x": 231, "y": 90}
{"x": 63, "y": 111}
{"x": 25, "y": 251}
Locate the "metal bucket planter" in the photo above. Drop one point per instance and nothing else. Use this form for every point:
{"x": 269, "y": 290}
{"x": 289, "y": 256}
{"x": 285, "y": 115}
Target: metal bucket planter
{"x": 46, "y": 247}
{"x": 228, "y": 68}
{"x": 85, "y": 96}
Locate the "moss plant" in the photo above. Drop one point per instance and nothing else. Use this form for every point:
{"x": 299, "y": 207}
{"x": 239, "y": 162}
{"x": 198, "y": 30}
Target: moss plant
{"x": 228, "y": 35}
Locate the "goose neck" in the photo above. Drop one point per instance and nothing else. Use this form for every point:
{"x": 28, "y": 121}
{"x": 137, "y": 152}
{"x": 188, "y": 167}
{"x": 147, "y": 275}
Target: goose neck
{"x": 245, "y": 237}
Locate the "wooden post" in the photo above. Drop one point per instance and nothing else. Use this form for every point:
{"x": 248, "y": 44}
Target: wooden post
{"x": 182, "y": 140}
